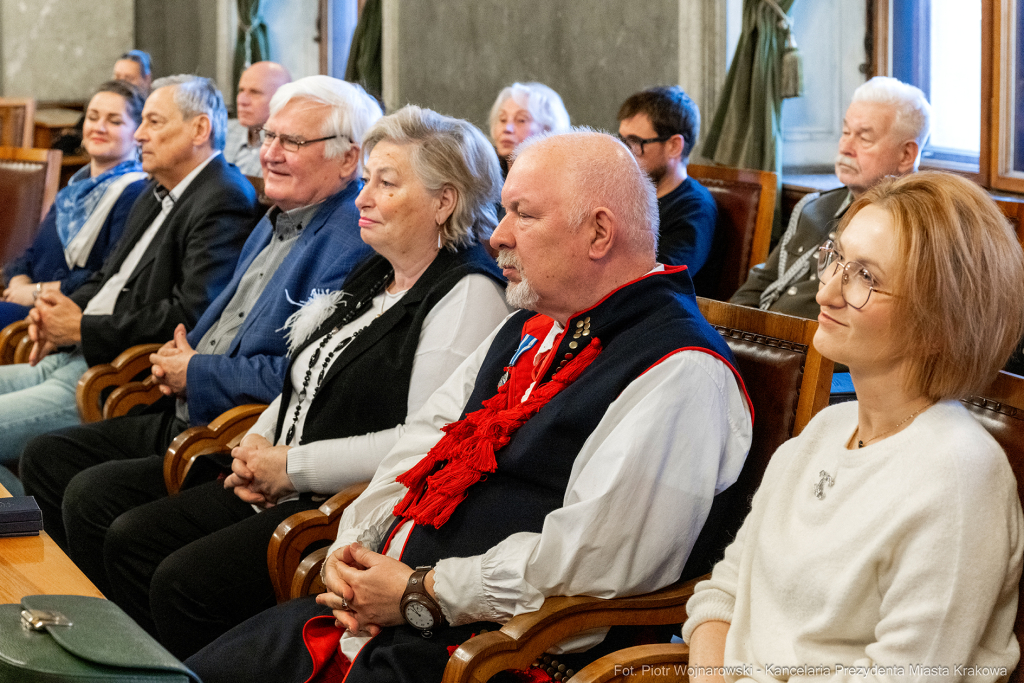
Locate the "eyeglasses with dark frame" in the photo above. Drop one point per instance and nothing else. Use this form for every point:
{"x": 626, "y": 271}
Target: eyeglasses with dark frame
{"x": 289, "y": 143}
{"x": 635, "y": 143}
{"x": 857, "y": 282}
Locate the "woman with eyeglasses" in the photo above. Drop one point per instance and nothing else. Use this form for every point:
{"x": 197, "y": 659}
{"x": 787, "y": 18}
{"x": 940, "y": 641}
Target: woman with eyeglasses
{"x": 885, "y": 541}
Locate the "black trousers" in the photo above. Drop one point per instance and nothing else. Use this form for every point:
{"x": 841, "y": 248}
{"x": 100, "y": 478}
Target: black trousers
{"x": 50, "y": 462}
{"x": 191, "y": 566}
{"x": 267, "y": 647}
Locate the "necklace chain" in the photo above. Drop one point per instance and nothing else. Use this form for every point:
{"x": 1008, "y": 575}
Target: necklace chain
{"x": 861, "y": 443}
{"x": 826, "y": 479}
{"x": 357, "y": 309}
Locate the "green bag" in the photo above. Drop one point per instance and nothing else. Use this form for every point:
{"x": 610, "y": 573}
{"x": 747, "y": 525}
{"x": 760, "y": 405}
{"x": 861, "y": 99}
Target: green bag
{"x": 76, "y": 638}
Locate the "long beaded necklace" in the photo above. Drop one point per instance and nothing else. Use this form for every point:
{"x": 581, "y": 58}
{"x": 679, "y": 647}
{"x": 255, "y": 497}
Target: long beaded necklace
{"x": 351, "y": 315}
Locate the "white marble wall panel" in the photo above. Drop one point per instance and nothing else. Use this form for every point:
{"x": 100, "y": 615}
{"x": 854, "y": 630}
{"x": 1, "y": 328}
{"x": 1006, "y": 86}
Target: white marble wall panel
{"x": 61, "y": 49}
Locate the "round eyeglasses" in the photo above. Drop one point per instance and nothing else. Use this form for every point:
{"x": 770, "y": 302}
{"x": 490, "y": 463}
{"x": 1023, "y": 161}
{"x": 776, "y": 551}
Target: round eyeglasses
{"x": 289, "y": 143}
{"x": 857, "y": 282}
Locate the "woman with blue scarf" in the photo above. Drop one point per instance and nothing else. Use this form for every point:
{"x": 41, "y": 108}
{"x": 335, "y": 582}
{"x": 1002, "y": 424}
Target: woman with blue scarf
{"x": 88, "y": 215}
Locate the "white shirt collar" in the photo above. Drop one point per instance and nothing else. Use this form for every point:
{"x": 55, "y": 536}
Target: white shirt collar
{"x": 180, "y": 188}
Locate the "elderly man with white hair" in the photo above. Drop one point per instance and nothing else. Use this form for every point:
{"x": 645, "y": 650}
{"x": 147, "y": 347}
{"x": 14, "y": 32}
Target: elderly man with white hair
{"x": 884, "y": 130}
{"x": 581, "y": 448}
{"x": 83, "y": 477}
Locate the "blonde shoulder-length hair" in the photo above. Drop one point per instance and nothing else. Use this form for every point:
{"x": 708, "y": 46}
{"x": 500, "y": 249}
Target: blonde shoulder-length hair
{"x": 960, "y": 294}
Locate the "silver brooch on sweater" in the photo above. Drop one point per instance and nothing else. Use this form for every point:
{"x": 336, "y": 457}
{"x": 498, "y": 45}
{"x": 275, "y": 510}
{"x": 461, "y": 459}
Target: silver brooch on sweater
{"x": 819, "y": 488}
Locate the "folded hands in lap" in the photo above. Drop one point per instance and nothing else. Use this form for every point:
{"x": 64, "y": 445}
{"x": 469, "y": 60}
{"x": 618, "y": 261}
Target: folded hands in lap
{"x": 170, "y": 363}
{"x": 364, "y": 589}
{"x": 54, "y": 321}
{"x": 259, "y": 471}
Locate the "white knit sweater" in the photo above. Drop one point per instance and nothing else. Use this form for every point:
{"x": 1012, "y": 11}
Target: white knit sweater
{"x": 912, "y": 560}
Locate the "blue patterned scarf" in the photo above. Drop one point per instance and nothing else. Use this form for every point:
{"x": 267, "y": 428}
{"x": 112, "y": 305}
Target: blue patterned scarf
{"x": 75, "y": 203}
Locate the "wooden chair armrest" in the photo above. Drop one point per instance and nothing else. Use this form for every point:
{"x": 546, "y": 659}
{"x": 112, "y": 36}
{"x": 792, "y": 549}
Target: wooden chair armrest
{"x": 293, "y": 536}
{"x": 306, "y": 580}
{"x": 220, "y": 436}
{"x": 99, "y": 378}
{"x": 9, "y": 338}
{"x": 23, "y": 349}
{"x": 128, "y": 396}
{"x": 640, "y": 664}
{"x": 527, "y": 636}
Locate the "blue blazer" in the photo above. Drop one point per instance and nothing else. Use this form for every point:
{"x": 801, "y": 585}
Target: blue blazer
{"x": 252, "y": 370}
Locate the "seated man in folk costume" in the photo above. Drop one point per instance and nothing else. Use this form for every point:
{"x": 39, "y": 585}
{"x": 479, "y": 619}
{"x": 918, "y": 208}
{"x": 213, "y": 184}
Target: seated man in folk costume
{"x": 577, "y": 451}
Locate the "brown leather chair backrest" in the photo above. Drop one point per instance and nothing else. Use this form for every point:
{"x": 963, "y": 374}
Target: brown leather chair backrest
{"x": 787, "y": 382}
{"x": 257, "y": 184}
{"x": 1001, "y": 411}
{"x": 17, "y": 122}
{"x": 27, "y": 185}
{"x": 746, "y": 206}
{"x": 1013, "y": 209}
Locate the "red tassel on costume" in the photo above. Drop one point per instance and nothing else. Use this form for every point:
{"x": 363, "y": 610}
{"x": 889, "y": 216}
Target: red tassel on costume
{"x": 468, "y": 446}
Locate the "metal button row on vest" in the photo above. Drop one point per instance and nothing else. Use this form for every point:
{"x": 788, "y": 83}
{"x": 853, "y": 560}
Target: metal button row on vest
{"x": 557, "y": 671}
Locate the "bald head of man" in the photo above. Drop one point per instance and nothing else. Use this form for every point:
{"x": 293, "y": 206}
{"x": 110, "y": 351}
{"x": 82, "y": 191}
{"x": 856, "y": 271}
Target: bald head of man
{"x": 581, "y": 220}
{"x": 255, "y": 88}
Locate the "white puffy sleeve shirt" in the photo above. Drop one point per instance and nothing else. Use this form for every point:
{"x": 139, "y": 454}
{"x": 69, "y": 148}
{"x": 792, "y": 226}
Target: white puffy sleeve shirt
{"x": 637, "y": 496}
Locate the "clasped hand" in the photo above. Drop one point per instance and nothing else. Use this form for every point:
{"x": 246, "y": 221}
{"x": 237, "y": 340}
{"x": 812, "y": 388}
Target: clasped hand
{"x": 371, "y": 585}
{"x": 170, "y": 363}
{"x": 259, "y": 471}
{"x": 54, "y": 321}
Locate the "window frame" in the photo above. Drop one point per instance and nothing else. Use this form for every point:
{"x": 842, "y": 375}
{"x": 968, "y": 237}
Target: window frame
{"x": 988, "y": 175}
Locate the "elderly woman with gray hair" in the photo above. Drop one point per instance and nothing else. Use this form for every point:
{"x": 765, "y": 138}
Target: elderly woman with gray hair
{"x": 362, "y": 360}
{"x": 522, "y": 110}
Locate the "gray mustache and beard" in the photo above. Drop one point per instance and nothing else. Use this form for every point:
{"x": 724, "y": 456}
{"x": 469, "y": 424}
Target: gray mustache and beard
{"x": 848, "y": 163}
{"x": 517, "y": 294}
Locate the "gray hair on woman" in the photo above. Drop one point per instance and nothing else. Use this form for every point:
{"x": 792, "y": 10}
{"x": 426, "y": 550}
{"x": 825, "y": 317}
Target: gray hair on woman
{"x": 543, "y": 103}
{"x": 352, "y": 111}
{"x": 448, "y": 152}
{"x": 197, "y": 96}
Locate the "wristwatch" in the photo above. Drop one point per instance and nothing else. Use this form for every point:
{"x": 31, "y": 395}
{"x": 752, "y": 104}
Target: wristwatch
{"x": 419, "y": 609}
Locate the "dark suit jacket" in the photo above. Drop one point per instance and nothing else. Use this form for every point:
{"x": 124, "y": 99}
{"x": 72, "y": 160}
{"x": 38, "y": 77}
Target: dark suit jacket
{"x": 253, "y": 368}
{"x": 184, "y": 268}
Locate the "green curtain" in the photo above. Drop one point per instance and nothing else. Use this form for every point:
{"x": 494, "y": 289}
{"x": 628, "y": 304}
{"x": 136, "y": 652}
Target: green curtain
{"x": 745, "y": 131}
{"x": 364, "y": 57}
{"x": 252, "y": 45}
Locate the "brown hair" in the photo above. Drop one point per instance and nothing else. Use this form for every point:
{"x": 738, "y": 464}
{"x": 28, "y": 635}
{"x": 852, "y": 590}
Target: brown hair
{"x": 960, "y": 295}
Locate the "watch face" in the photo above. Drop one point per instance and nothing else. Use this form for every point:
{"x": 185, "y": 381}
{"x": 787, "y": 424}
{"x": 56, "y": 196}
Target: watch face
{"x": 419, "y": 616}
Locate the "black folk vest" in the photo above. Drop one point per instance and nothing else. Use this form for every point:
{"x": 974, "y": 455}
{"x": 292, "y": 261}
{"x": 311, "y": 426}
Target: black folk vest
{"x": 639, "y": 325}
{"x": 366, "y": 388}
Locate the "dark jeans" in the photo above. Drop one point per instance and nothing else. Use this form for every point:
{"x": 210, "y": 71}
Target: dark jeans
{"x": 50, "y": 462}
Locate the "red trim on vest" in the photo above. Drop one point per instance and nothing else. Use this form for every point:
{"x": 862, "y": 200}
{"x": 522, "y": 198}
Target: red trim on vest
{"x": 467, "y": 449}
{"x": 735, "y": 372}
{"x": 321, "y": 638}
{"x": 669, "y": 270}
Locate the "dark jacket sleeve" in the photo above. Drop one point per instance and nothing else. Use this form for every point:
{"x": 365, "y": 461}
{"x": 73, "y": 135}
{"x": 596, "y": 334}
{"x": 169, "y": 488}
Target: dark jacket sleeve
{"x": 210, "y": 238}
{"x": 758, "y": 280}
